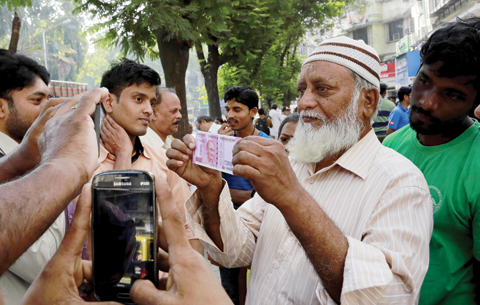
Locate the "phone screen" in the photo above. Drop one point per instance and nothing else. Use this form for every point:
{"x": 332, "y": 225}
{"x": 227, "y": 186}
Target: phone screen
{"x": 124, "y": 239}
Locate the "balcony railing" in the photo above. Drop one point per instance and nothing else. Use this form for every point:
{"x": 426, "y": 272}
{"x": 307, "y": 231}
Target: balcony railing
{"x": 66, "y": 89}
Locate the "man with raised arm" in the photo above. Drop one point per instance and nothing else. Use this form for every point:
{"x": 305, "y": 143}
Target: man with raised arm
{"x": 343, "y": 220}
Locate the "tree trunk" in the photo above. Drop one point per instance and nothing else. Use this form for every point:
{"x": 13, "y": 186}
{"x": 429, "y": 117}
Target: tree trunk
{"x": 16, "y": 25}
{"x": 209, "y": 70}
{"x": 174, "y": 56}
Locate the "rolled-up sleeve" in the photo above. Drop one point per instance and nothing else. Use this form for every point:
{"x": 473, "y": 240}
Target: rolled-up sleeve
{"x": 389, "y": 263}
{"x": 238, "y": 229}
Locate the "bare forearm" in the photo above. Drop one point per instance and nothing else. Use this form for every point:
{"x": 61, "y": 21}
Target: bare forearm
{"x": 324, "y": 244}
{"x": 28, "y": 206}
{"x": 209, "y": 200}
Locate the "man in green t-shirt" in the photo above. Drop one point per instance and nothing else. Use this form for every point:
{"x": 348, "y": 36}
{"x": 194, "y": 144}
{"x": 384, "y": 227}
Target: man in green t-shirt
{"x": 444, "y": 142}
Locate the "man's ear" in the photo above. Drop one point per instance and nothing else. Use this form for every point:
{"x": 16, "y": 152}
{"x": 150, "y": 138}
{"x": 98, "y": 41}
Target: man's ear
{"x": 4, "y": 110}
{"x": 369, "y": 99}
{"x": 253, "y": 112}
{"x": 154, "y": 114}
{"x": 108, "y": 103}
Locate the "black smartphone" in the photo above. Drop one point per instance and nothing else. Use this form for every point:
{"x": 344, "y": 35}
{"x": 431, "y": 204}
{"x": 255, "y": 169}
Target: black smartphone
{"x": 124, "y": 233}
{"x": 97, "y": 121}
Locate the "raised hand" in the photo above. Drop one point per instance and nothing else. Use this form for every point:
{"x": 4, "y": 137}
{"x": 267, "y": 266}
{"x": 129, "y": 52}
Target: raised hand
{"x": 226, "y": 130}
{"x": 265, "y": 163}
{"x": 180, "y": 161}
{"x": 66, "y": 271}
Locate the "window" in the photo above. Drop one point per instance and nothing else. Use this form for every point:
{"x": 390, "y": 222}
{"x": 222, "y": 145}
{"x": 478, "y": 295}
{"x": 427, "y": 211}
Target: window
{"x": 395, "y": 30}
{"x": 361, "y": 34}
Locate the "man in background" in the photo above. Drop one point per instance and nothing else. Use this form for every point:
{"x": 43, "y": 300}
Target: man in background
{"x": 399, "y": 115}
{"x": 380, "y": 122}
{"x": 263, "y": 123}
{"x": 240, "y": 109}
{"x": 285, "y": 112}
{"x": 165, "y": 119}
{"x": 276, "y": 117}
{"x": 443, "y": 142}
{"x": 205, "y": 123}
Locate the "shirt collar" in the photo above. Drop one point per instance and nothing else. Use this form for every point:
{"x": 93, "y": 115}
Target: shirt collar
{"x": 402, "y": 108}
{"x": 7, "y": 144}
{"x": 359, "y": 157}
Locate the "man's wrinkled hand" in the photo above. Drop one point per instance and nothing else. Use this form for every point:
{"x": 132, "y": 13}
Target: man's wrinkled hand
{"x": 265, "y": 163}
{"x": 190, "y": 279}
{"x": 180, "y": 161}
{"x": 66, "y": 271}
{"x": 69, "y": 137}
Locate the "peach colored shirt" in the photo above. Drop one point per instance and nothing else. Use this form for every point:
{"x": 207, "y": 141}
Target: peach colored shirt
{"x": 376, "y": 197}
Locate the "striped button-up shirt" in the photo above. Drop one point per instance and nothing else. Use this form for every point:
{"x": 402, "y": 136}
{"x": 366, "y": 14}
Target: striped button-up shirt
{"x": 375, "y": 196}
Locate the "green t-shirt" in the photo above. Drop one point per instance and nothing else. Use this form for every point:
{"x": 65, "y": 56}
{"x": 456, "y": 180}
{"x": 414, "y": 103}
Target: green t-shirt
{"x": 452, "y": 171}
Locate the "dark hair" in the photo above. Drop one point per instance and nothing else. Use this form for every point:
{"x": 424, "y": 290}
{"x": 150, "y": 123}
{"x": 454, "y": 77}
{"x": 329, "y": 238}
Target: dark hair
{"x": 290, "y": 118}
{"x": 261, "y": 111}
{"x": 242, "y": 94}
{"x": 457, "y": 45}
{"x": 18, "y": 71}
{"x": 285, "y": 108}
{"x": 274, "y": 106}
{"x": 219, "y": 119}
{"x": 402, "y": 92}
{"x": 205, "y": 118}
{"x": 126, "y": 72}
{"x": 383, "y": 88}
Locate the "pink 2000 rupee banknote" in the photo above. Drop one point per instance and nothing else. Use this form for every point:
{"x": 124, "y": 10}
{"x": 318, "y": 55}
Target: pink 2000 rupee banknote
{"x": 214, "y": 151}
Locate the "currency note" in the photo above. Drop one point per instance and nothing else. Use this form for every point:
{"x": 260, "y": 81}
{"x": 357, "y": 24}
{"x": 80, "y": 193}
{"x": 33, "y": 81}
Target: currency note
{"x": 214, "y": 151}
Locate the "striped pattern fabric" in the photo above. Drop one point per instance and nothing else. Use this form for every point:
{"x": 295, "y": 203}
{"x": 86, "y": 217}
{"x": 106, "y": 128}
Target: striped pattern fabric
{"x": 355, "y": 55}
{"x": 375, "y": 196}
{"x": 380, "y": 122}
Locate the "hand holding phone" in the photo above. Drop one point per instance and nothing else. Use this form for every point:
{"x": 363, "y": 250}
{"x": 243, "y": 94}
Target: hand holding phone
{"x": 124, "y": 239}
{"x": 191, "y": 281}
{"x": 66, "y": 270}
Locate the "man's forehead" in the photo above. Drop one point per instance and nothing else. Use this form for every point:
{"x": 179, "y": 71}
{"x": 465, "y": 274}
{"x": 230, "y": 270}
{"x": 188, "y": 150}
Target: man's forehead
{"x": 438, "y": 69}
{"x": 170, "y": 100}
{"x": 37, "y": 87}
{"x": 321, "y": 69}
{"x": 145, "y": 89}
{"x": 233, "y": 103}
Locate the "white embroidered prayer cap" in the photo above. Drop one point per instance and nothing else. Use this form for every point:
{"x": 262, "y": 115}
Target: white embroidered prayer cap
{"x": 355, "y": 55}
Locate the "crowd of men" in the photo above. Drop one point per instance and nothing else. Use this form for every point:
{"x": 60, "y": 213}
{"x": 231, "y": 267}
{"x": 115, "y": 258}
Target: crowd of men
{"x": 335, "y": 216}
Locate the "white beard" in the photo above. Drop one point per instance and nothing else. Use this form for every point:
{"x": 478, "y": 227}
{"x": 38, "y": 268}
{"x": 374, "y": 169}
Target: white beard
{"x": 313, "y": 144}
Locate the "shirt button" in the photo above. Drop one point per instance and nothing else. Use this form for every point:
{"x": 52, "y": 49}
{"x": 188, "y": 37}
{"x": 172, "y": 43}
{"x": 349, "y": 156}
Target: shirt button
{"x": 70, "y": 216}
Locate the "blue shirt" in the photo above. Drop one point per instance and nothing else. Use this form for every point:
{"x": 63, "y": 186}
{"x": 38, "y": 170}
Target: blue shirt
{"x": 398, "y": 117}
{"x": 239, "y": 183}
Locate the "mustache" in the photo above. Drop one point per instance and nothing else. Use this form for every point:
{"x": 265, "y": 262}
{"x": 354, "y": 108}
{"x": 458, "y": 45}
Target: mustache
{"x": 311, "y": 115}
{"x": 420, "y": 110}
{"x": 229, "y": 121}
{"x": 176, "y": 122}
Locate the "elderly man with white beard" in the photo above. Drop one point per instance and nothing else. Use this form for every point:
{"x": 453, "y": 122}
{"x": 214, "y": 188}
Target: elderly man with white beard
{"x": 343, "y": 219}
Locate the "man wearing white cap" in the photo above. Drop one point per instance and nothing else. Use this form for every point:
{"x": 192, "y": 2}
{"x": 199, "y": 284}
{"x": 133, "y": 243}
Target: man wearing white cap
{"x": 344, "y": 219}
